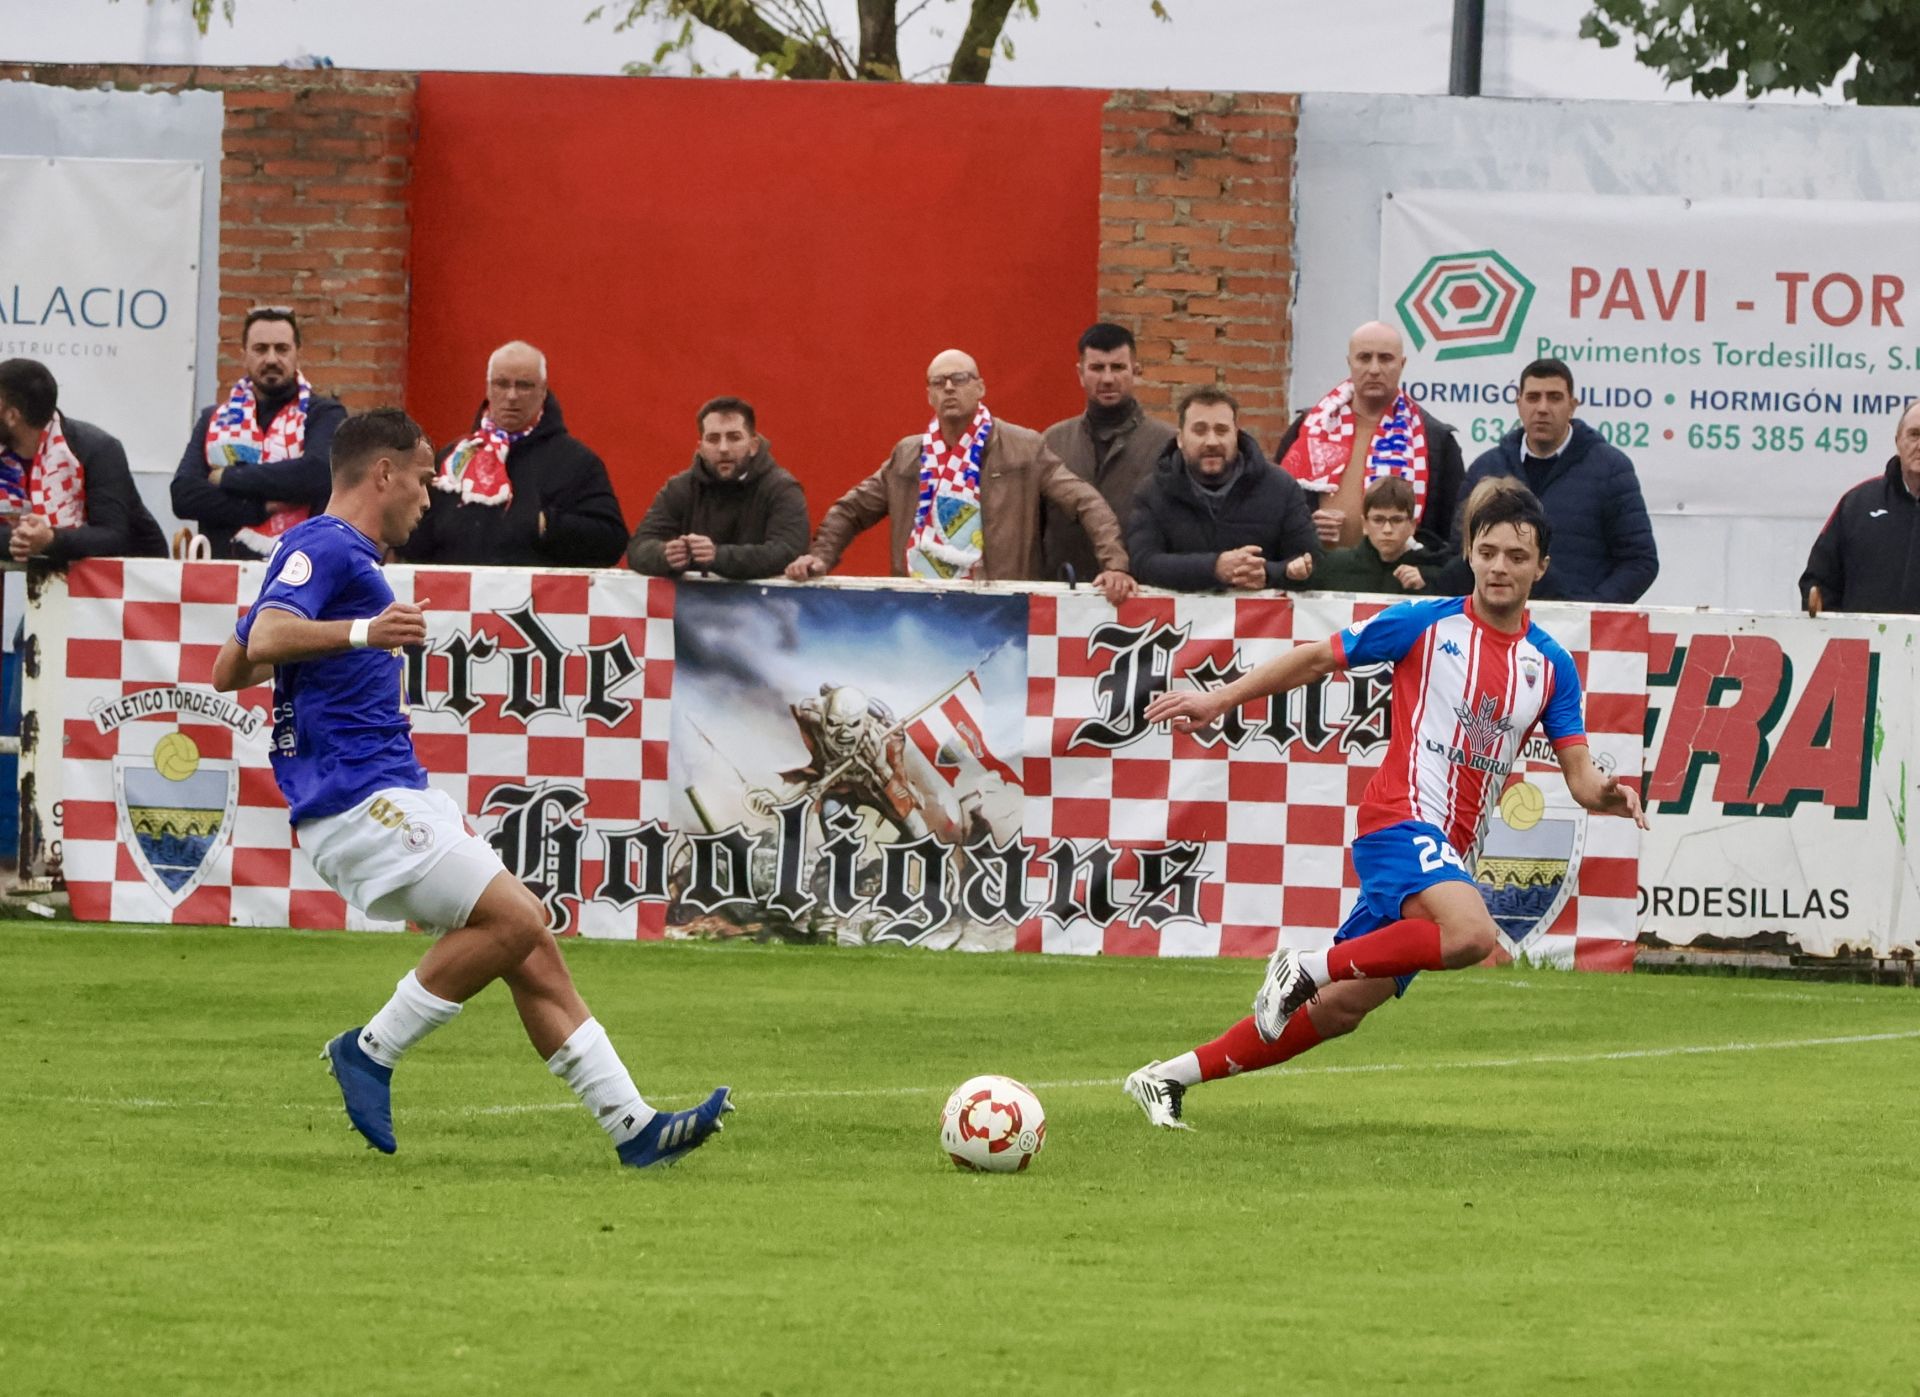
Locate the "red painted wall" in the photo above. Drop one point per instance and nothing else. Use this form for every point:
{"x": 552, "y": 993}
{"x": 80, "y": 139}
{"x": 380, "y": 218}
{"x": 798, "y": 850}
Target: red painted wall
{"x": 808, "y": 246}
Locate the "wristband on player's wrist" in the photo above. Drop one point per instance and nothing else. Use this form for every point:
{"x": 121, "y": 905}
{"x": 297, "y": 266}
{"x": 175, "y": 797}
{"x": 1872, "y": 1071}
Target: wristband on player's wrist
{"x": 358, "y": 635}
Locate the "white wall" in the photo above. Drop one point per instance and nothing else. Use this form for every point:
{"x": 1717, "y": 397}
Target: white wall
{"x": 1355, "y": 148}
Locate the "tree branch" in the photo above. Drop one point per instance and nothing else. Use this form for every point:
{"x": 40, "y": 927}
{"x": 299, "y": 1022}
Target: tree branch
{"x": 879, "y": 40}
{"x": 742, "y": 22}
{"x": 973, "y": 56}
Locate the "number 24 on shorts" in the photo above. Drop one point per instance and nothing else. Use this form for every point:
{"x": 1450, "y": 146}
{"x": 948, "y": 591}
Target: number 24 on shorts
{"x": 1434, "y": 854}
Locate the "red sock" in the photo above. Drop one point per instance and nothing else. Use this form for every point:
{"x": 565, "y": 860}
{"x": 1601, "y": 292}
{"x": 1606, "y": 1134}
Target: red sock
{"x": 1399, "y": 948}
{"x": 1242, "y": 1049}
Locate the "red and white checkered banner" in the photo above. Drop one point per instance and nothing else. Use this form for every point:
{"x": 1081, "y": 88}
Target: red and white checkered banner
{"x": 861, "y": 763}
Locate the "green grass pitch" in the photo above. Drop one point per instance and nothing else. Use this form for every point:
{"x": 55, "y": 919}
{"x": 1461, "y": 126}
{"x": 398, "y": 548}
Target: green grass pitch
{"x": 1514, "y": 1181}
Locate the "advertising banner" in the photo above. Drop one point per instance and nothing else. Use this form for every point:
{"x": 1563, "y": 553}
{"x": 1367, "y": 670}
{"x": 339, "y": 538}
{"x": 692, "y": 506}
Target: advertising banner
{"x": 912, "y": 764}
{"x": 1746, "y": 353}
{"x": 1782, "y": 770}
{"x": 100, "y": 281}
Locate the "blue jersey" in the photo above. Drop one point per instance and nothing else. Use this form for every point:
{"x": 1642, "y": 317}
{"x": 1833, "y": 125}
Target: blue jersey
{"x": 340, "y": 728}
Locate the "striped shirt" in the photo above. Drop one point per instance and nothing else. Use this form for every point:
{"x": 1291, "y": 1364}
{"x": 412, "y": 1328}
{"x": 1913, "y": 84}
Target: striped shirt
{"x": 1465, "y": 696}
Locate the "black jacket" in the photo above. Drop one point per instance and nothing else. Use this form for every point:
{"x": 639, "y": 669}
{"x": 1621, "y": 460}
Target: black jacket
{"x": 1602, "y": 547}
{"x": 1176, "y": 532}
{"x": 552, "y": 473}
{"x": 1867, "y": 558}
{"x": 1446, "y": 469}
{"x": 239, "y": 501}
{"x": 119, "y": 524}
{"x": 757, "y": 520}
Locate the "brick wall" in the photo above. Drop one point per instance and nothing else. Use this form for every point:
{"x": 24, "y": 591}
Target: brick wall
{"x": 1196, "y": 244}
{"x": 314, "y": 214}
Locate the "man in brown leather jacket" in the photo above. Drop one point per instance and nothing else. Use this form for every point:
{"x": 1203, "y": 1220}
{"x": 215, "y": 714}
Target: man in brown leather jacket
{"x": 964, "y": 498}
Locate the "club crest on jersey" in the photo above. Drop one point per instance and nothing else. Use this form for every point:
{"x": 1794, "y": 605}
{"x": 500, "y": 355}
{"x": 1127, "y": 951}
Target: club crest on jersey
{"x": 1530, "y": 669}
{"x": 176, "y": 813}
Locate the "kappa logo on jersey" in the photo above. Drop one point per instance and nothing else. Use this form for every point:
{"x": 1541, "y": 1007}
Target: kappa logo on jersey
{"x": 1450, "y": 648}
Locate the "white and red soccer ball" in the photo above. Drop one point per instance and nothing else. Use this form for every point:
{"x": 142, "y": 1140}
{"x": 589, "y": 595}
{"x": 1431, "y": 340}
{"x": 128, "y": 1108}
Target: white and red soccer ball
{"x": 992, "y": 1125}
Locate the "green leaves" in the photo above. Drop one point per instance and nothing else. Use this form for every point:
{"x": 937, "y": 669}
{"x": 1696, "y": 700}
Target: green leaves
{"x": 1870, "y": 47}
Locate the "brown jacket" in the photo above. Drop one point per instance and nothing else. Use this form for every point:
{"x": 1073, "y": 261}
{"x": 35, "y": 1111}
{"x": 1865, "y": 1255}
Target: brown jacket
{"x": 1118, "y": 476}
{"x": 1017, "y": 474}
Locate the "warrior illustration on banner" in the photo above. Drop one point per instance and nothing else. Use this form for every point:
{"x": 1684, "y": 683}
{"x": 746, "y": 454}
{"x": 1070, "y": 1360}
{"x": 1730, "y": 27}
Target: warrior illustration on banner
{"x": 807, "y": 768}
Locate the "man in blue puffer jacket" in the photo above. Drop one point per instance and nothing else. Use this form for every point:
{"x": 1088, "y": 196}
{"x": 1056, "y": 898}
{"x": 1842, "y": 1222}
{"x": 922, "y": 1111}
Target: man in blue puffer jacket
{"x": 1603, "y": 547}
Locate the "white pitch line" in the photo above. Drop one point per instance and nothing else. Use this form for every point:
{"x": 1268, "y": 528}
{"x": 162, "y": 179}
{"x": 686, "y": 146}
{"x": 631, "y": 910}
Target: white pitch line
{"x": 145, "y": 1103}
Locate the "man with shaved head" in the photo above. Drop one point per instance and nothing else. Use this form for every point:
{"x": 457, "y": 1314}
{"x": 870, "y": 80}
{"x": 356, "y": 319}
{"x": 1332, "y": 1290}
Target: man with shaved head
{"x": 965, "y": 498}
{"x": 520, "y": 490}
{"x": 1365, "y": 430}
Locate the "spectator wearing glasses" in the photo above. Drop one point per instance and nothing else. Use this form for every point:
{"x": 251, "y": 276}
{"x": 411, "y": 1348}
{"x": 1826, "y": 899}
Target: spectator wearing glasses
{"x": 520, "y": 490}
{"x": 258, "y": 462}
{"x": 1387, "y": 558}
{"x": 65, "y": 490}
{"x": 964, "y": 499}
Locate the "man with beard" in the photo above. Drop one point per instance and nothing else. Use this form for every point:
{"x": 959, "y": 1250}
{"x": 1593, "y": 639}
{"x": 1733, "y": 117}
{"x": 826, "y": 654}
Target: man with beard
{"x": 256, "y": 464}
{"x": 734, "y": 512}
{"x": 1366, "y": 429}
{"x": 520, "y": 490}
{"x": 1215, "y": 513}
{"x": 65, "y": 490}
{"x": 963, "y": 498}
{"x": 1112, "y": 446}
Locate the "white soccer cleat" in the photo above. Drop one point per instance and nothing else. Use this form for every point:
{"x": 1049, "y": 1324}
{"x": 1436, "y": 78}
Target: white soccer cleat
{"x": 1158, "y": 1096}
{"x": 1286, "y": 987}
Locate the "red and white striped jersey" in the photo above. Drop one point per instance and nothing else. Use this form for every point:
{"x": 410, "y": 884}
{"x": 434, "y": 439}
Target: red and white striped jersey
{"x": 1465, "y": 696}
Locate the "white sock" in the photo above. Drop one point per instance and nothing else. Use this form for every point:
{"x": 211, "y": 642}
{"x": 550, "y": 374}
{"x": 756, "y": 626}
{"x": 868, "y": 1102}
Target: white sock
{"x": 1184, "y": 1069}
{"x": 1315, "y": 964}
{"x": 587, "y": 1063}
{"x": 412, "y": 1013}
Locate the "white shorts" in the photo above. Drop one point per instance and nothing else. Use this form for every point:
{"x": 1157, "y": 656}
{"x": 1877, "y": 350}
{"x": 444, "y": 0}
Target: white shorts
{"x": 403, "y": 856}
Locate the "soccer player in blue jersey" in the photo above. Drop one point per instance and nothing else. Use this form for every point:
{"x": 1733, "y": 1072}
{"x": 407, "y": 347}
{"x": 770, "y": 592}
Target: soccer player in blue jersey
{"x": 328, "y": 631}
{"x": 1472, "y": 676}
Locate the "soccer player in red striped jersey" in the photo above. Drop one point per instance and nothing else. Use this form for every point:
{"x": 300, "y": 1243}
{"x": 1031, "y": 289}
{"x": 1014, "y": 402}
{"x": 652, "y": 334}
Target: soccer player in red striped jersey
{"x": 1472, "y": 677}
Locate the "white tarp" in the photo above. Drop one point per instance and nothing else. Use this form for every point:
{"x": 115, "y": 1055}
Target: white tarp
{"x": 100, "y": 281}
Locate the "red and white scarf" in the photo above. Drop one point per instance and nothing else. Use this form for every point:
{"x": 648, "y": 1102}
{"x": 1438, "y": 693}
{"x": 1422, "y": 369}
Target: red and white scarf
{"x": 236, "y": 438}
{"x": 946, "y": 542}
{"x": 1319, "y": 455}
{"x": 476, "y": 468}
{"x": 52, "y": 485}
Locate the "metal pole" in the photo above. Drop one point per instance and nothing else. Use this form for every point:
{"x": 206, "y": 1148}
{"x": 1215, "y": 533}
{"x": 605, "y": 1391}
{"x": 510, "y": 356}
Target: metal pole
{"x": 1469, "y": 38}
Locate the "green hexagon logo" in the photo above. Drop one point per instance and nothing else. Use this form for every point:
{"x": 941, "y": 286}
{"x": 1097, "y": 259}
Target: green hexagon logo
{"x": 1466, "y": 304}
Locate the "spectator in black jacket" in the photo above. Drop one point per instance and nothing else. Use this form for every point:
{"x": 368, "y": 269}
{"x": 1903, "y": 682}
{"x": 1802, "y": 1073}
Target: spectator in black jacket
{"x": 1215, "y": 512}
{"x": 734, "y": 512}
{"x": 1387, "y": 558}
{"x": 520, "y": 490}
{"x": 1603, "y": 548}
{"x": 1867, "y": 558}
{"x": 259, "y": 462}
{"x": 65, "y": 490}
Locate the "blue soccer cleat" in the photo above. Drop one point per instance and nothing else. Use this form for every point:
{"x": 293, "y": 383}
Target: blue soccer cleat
{"x": 670, "y": 1135}
{"x": 365, "y": 1086}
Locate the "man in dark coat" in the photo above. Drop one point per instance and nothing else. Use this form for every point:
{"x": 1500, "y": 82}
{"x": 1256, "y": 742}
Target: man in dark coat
{"x": 1603, "y": 548}
{"x": 65, "y": 489}
{"x": 259, "y": 462}
{"x": 1215, "y": 513}
{"x": 1867, "y": 558}
{"x": 734, "y": 512}
{"x": 1113, "y": 446}
{"x": 520, "y": 490}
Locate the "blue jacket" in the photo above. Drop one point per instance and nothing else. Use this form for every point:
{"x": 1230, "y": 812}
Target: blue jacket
{"x": 1602, "y": 547}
